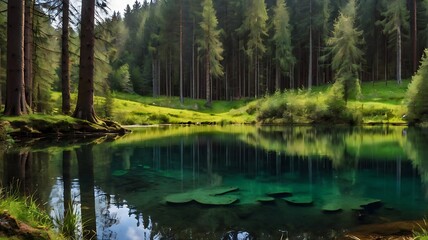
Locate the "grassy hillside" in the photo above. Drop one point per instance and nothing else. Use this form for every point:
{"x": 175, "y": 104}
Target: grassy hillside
{"x": 380, "y": 102}
{"x": 132, "y": 109}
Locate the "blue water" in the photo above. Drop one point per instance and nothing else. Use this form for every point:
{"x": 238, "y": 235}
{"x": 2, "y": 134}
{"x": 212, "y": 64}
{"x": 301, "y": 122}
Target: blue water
{"x": 118, "y": 189}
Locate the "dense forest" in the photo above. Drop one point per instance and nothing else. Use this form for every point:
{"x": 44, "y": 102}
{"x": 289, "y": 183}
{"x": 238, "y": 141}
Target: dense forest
{"x": 217, "y": 49}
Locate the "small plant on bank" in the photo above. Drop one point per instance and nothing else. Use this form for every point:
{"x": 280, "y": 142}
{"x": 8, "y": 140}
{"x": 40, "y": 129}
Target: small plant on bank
{"x": 422, "y": 232}
{"x": 28, "y": 211}
{"x": 67, "y": 223}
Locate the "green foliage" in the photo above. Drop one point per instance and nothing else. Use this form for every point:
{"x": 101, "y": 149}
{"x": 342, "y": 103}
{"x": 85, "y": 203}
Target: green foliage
{"x": 273, "y": 107}
{"x": 255, "y": 24}
{"x": 108, "y": 104}
{"x": 67, "y": 223}
{"x": 45, "y": 57}
{"x": 347, "y": 56}
{"x": 395, "y": 16}
{"x": 422, "y": 232}
{"x": 282, "y": 36}
{"x": 210, "y": 43}
{"x": 120, "y": 79}
{"x": 25, "y": 209}
{"x": 305, "y": 107}
{"x": 417, "y": 99}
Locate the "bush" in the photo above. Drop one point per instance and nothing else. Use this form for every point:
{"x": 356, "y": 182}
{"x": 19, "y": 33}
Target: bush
{"x": 273, "y": 107}
{"x": 159, "y": 118}
{"x": 417, "y": 99}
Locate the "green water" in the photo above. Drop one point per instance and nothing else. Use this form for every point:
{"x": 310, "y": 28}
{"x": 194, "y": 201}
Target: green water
{"x": 124, "y": 189}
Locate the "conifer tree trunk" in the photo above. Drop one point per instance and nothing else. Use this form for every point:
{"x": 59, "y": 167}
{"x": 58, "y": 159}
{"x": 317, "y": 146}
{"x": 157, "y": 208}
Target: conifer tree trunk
{"x": 415, "y": 38}
{"x": 208, "y": 79}
{"x": 85, "y": 99}
{"x": 15, "y": 94}
{"x": 310, "y": 47}
{"x": 28, "y": 52}
{"x": 399, "y": 55}
{"x": 65, "y": 58}
{"x": 181, "y": 52}
{"x": 193, "y": 59}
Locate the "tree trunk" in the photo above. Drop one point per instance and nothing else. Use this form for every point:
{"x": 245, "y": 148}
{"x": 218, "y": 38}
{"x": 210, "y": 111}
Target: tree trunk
{"x": 399, "y": 55}
{"x": 181, "y": 52}
{"x": 154, "y": 77}
{"x": 85, "y": 99}
{"x": 65, "y": 58}
{"x": 193, "y": 60}
{"x": 208, "y": 78}
{"x": 15, "y": 93}
{"x": 28, "y": 52}
{"x": 277, "y": 76}
{"x": 415, "y": 38}
{"x": 310, "y": 48}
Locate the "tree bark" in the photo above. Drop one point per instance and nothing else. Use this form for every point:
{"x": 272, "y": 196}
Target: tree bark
{"x": 399, "y": 55}
{"x": 15, "y": 93}
{"x": 193, "y": 59}
{"x": 181, "y": 52}
{"x": 208, "y": 78}
{"x": 28, "y": 52}
{"x": 65, "y": 58}
{"x": 85, "y": 99}
{"x": 415, "y": 38}
{"x": 310, "y": 47}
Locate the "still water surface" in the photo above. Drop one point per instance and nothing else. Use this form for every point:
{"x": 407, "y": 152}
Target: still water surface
{"x": 120, "y": 189}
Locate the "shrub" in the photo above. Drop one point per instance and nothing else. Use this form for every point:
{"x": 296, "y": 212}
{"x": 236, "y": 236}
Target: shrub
{"x": 417, "y": 99}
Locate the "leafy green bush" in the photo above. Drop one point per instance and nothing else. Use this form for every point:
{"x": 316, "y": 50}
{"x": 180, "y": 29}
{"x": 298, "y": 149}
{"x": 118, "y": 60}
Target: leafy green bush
{"x": 273, "y": 107}
{"x": 417, "y": 99}
{"x": 160, "y": 118}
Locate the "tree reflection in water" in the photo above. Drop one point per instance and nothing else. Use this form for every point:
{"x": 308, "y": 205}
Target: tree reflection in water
{"x": 120, "y": 187}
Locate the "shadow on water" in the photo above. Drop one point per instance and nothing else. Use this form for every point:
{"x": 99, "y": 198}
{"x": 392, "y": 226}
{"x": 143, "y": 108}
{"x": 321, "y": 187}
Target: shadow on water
{"x": 301, "y": 183}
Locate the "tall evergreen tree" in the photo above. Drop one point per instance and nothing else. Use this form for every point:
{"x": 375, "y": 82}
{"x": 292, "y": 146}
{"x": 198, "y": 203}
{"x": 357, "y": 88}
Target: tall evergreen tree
{"x": 65, "y": 58}
{"x": 347, "y": 56}
{"x": 210, "y": 46}
{"x": 255, "y": 25}
{"x": 15, "y": 88}
{"x": 29, "y": 51}
{"x": 282, "y": 39}
{"x": 85, "y": 98}
{"x": 395, "y": 22}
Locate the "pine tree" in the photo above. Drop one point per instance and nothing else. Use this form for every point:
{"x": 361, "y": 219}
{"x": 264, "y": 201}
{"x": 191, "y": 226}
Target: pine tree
{"x": 15, "y": 89}
{"x": 65, "y": 58}
{"x": 255, "y": 25}
{"x": 347, "y": 56}
{"x": 85, "y": 99}
{"x": 396, "y": 20}
{"x": 282, "y": 39}
{"x": 211, "y": 46}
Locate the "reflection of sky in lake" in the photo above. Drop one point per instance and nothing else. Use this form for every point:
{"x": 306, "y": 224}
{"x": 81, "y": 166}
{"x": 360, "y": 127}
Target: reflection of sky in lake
{"x": 134, "y": 175}
{"x": 113, "y": 221}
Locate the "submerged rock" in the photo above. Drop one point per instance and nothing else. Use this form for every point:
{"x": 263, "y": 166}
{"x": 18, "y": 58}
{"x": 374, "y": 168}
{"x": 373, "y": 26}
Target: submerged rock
{"x": 300, "y": 200}
{"x": 339, "y": 203}
{"x": 205, "y": 196}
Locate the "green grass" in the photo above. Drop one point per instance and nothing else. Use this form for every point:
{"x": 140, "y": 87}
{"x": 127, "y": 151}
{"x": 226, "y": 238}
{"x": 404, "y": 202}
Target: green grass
{"x": 380, "y": 103}
{"x": 26, "y": 209}
{"x": 422, "y": 232}
{"x": 129, "y": 109}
